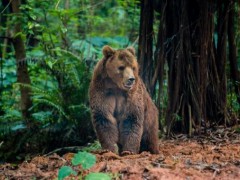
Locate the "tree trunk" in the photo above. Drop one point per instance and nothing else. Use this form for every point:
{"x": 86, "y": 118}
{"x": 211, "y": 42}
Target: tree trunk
{"x": 204, "y": 55}
{"x": 145, "y": 48}
{"x": 197, "y": 88}
{"x": 221, "y": 58}
{"x": 22, "y": 68}
{"x": 197, "y": 76}
{"x": 183, "y": 107}
{"x": 159, "y": 57}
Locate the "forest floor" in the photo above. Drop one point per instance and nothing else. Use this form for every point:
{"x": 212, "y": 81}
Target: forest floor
{"x": 212, "y": 156}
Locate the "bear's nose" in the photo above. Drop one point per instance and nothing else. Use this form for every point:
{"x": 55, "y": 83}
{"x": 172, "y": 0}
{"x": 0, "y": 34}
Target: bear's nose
{"x": 131, "y": 80}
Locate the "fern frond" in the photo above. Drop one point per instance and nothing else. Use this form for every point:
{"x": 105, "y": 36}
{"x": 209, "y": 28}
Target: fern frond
{"x": 80, "y": 106}
{"x": 52, "y": 99}
{"x": 75, "y": 77}
{"x": 56, "y": 106}
{"x": 68, "y": 53}
{"x": 40, "y": 94}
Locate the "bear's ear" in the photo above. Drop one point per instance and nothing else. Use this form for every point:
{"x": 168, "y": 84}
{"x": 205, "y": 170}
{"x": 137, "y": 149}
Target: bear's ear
{"x": 107, "y": 51}
{"x": 131, "y": 50}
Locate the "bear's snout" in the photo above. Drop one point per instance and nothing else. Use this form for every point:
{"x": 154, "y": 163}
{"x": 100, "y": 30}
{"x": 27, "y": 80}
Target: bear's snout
{"x": 129, "y": 78}
{"x": 130, "y": 81}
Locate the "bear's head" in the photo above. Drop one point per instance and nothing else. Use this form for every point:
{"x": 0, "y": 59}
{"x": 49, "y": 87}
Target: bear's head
{"x": 121, "y": 66}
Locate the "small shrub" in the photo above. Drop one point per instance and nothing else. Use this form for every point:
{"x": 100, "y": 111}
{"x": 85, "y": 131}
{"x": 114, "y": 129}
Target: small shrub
{"x": 86, "y": 160}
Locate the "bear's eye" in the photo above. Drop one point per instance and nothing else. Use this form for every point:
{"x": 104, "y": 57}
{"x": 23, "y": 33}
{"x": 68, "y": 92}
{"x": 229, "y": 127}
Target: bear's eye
{"x": 134, "y": 68}
{"x": 121, "y": 68}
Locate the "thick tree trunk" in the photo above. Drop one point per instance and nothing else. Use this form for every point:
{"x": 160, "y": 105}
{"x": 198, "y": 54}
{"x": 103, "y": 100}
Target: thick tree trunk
{"x": 204, "y": 55}
{"x": 22, "y": 68}
{"x": 145, "y": 48}
{"x": 197, "y": 62}
{"x": 197, "y": 76}
{"x": 221, "y": 58}
{"x": 183, "y": 108}
{"x": 174, "y": 73}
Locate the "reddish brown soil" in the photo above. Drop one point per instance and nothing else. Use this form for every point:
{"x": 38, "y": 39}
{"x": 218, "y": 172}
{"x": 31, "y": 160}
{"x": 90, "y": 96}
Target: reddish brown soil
{"x": 215, "y": 156}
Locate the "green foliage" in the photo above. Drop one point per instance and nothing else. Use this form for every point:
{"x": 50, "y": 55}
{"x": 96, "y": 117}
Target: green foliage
{"x": 86, "y": 160}
{"x": 232, "y": 98}
{"x": 232, "y": 102}
{"x": 97, "y": 176}
{"x": 177, "y": 117}
{"x": 66, "y": 99}
{"x": 93, "y": 146}
{"x": 65, "y": 171}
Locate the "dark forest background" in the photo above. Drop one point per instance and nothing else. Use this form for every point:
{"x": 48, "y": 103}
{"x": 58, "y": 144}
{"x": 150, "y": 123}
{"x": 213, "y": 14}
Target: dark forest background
{"x": 187, "y": 51}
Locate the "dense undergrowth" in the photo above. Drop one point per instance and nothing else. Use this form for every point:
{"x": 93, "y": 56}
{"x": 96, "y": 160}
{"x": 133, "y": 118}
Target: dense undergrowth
{"x": 63, "y": 42}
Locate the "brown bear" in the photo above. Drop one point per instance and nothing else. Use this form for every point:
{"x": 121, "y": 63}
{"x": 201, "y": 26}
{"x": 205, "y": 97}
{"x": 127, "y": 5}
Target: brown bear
{"x": 123, "y": 114}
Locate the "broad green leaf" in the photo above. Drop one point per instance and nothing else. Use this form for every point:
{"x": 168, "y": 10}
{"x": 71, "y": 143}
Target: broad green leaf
{"x": 65, "y": 171}
{"x": 86, "y": 159}
{"x": 30, "y": 25}
{"x": 33, "y": 16}
{"x": 97, "y": 176}
{"x": 50, "y": 64}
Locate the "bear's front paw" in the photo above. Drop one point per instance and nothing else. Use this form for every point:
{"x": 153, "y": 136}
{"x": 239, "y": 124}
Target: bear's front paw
{"x": 126, "y": 153}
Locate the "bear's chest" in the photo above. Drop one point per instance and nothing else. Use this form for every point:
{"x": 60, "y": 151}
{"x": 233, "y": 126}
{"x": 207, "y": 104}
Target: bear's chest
{"x": 118, "y": 105}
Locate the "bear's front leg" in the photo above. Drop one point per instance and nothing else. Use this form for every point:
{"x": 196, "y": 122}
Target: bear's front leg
{"x": 107, "y": 131}
{"x": 130, "y": 131}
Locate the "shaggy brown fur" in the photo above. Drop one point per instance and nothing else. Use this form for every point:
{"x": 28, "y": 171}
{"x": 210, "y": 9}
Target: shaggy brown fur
{"x": 123, "y": 113}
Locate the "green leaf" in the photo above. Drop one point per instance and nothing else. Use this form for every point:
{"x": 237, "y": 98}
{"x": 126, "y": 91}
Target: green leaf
{"x": 33, "y": 16}
{"x": 30, "y": 25}
{"x": 50, "y": 64}
{"x": 65, "y": 171}
{"x": 18, "y": 34}
{"x": 97, "y": 176}
{"x": 86, "y": 159}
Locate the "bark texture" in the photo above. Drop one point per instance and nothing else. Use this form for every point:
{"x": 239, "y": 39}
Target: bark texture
{"x": 192, "y": 38}
{"x": 22, "y": 68}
